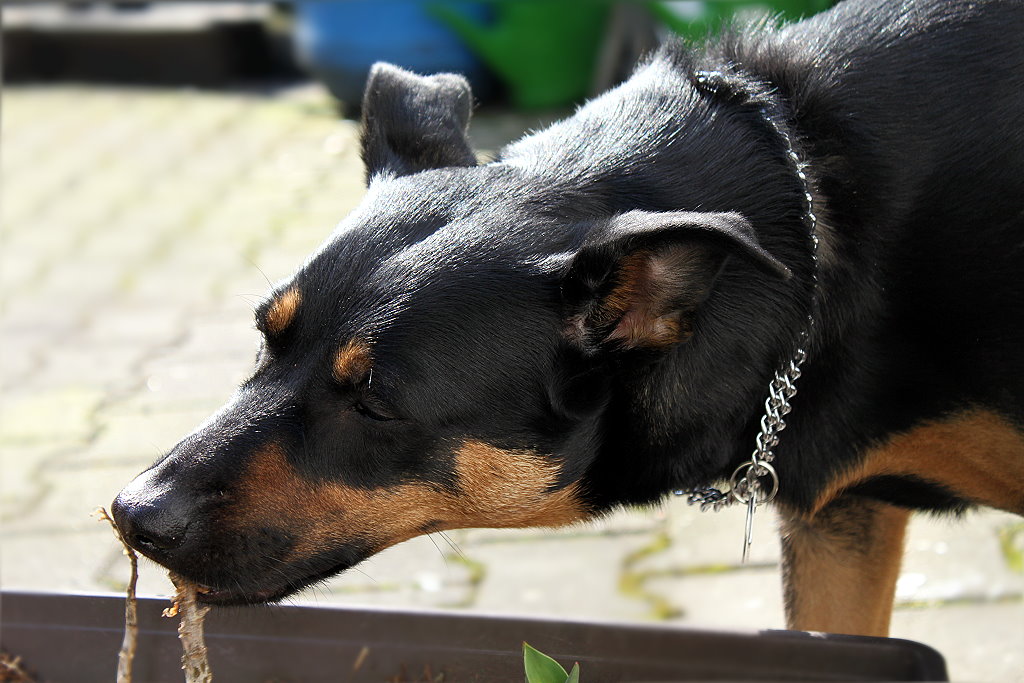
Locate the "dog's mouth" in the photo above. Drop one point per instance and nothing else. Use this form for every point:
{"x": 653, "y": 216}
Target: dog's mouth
{"x": 219, "y": 597}
{"x": 227, "y": 597}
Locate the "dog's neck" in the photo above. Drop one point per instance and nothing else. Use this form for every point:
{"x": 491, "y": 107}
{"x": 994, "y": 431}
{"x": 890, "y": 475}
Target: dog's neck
{"x": 756, "y": 482}
{"x": 681, "y": 432}
{"x": 744, "y": 91}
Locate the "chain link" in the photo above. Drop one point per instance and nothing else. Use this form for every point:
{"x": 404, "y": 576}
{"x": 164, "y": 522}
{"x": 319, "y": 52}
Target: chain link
{"x": 748, "y": 483}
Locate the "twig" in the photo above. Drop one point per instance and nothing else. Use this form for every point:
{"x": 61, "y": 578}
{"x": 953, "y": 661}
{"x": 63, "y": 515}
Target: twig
{"x": 131, "y": 620}
{"x": 190, "y": 631}
{"x": 11, "y": 670}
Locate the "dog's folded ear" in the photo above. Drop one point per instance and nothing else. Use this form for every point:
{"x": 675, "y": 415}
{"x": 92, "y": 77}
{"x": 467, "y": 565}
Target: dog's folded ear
{"x": 638, "y": 279}
{"x": 412, "y": 123}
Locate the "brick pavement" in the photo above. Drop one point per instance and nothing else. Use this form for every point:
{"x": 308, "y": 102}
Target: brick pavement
{"x": 138, "y": 229}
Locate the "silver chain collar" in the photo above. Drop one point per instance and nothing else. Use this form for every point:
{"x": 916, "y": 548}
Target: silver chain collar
{"x": 756, "y": 483}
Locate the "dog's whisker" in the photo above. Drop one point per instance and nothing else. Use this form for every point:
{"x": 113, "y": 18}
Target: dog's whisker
{"x": 355, "y": 568}
{"x": 439, "y": 551}
{"x": 257, "y": 267}
{"x": 454, "y": 545}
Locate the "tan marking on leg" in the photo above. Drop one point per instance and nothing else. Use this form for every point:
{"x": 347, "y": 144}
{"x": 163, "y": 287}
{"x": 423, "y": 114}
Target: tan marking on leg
{"x": 498, "y": 488}
{"x": 977, "y": 454}
{"x": 353, "y": 361}
{"x": 282, "y": 311}
{"x": 840, "y": 567}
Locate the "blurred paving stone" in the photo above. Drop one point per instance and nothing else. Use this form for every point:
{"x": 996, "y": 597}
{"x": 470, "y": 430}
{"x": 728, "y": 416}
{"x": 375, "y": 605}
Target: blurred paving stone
{"x": 66, "y": 560}
{"x": 569, "y": 577}
{"x": 173, "y": 384}
{"x": 70, "y": 498}
{"x": 210, "y": 339}
{"x": 983, "y": 642}
{"x": 45, "y": 320}
{"x": 958, "y": 560}
{"x": 731, "y": 598}
{"x": 84, "y": 367}
{"x": 17, "y": 273}
{"x": 22, "y": 355}
{"x": 235, "y": 225}
{"x": 707, "y": 539}
{"x": 212, "y": 261}
{"x": 274, "y": 264}
{"x": 78, "y": 284}
{"x": 44, "y": 131}
{"x": 50, "y": 240}
{"x": 692, "y": 571}
{"x": 172, "y": 282}
{"x": 49, "y": 416}
{"x": 422, "y": 572}
{"x": 141, "y": 327}
{"x": 23, "y": 484}
{"x": 141, "y": 435}
{"x": 123, "y": 244}
{"x": 35, "y": 120}
{"x": 165, "y": 287}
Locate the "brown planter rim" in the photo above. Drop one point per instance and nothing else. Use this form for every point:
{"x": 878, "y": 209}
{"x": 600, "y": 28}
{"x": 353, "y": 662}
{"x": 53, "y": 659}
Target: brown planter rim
{"x": 75, "y": 637}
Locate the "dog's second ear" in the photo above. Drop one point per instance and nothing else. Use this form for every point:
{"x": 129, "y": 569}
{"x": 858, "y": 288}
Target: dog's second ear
{"x": 638, "y": 280}
{"x": 412, "y": 123}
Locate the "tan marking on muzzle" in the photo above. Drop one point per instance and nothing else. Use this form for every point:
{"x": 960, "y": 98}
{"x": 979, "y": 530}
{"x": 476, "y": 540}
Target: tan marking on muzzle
{"x": 497, "y": 488}
{"x": 512, "y": 488}
{"x": 282, "y": 311}
{"x": 353, "y": 361}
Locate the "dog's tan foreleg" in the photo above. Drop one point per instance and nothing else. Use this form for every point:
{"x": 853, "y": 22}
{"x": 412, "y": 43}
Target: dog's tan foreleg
{"x": 840, "y": 566}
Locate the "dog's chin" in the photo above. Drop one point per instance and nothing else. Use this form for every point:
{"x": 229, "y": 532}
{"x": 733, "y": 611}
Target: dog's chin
{"x": 226, "y": 597}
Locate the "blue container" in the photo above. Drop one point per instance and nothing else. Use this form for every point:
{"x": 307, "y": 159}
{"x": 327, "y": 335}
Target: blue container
{"x": 338, "y": 41}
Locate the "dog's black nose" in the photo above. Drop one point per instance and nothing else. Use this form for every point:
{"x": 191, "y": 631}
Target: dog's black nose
{"x": 148, "y": 521}
{"x": 147, "y": 527}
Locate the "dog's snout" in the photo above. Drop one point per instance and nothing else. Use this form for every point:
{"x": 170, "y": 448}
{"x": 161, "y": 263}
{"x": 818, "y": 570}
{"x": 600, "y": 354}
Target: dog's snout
{"x": 148, "y": 519}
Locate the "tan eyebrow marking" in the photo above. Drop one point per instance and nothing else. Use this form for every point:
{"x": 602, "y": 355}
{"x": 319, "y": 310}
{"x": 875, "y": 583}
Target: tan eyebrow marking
{"x": 282, "y": 311}
{"x": 353, "y": 361}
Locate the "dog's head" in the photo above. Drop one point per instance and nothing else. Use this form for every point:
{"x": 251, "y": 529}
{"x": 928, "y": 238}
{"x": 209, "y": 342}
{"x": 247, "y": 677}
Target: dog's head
{"x": 443, "y": 361}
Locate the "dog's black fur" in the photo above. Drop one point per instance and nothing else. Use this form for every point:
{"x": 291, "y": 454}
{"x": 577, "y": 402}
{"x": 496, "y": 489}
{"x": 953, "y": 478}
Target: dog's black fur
{"x": 609, "y": 299}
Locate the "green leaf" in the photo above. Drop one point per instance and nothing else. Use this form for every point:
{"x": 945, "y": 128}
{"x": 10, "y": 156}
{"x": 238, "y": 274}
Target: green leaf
{"x": 574, "y": 675}
{"x": 540, "y": 668}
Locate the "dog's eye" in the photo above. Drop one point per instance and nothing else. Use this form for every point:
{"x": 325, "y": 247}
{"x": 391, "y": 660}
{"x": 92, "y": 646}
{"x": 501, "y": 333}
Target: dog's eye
{"x": 371, "y": 413}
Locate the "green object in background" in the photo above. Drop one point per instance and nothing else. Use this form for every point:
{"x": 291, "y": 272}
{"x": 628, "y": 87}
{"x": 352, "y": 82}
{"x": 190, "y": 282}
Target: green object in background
{"x": 543, "y": 50}
{"x": 696, "y": 21}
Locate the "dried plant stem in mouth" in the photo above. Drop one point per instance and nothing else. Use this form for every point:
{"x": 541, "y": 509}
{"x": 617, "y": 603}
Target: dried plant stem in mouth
{"x": 190, "y": 631}
{"x": 131, "y": 621}
{"x": 11, "y": 670}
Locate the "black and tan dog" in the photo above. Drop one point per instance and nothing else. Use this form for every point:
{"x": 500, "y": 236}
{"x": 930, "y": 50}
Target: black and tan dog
{"x": 592, "y": 319}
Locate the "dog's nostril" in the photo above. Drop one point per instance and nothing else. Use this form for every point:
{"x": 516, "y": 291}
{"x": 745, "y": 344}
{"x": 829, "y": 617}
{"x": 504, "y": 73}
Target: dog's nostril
{"x": 157, "y": 543}
{"x": 140, "y": 539}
